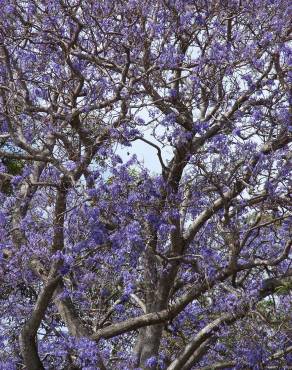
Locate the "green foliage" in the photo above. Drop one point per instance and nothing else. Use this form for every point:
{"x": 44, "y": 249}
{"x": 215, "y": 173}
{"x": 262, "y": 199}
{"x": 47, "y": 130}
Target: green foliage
{"x": 265, "y": 304}
{"x": 14, "y": 167}
{"x": 284, "y": 289}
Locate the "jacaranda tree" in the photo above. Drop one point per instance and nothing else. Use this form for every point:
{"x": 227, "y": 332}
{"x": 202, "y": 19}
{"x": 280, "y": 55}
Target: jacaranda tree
{"x": 106, "y": 263}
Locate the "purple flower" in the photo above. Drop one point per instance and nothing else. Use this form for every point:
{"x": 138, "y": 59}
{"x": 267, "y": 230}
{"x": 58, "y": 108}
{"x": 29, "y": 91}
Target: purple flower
{"x": 98, "y": 236}
{"x": 120, "y": 308}
{"x": 237, "y": 132}
{"x": 70, "y": 165}
{"x": 65, "y": 269}
{"x": 104, "y": 292}
{"x": 2, "y": 219}
{"x": 151, "y": 362}
{"x": 16, "y": 180}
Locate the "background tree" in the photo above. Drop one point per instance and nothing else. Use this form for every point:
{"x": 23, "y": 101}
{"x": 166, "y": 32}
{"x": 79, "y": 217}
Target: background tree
{"x": 105, "y": 263}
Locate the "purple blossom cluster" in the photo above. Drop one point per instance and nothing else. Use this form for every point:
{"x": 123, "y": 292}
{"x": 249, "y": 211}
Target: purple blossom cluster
{"x": 106, "y": 263}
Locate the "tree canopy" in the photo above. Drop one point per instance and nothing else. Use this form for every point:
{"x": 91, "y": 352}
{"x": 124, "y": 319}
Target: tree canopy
{"x": 108, "y": 263}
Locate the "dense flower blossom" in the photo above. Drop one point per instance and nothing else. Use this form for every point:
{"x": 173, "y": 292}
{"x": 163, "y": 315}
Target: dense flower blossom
{"x": 106, "y": 263}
